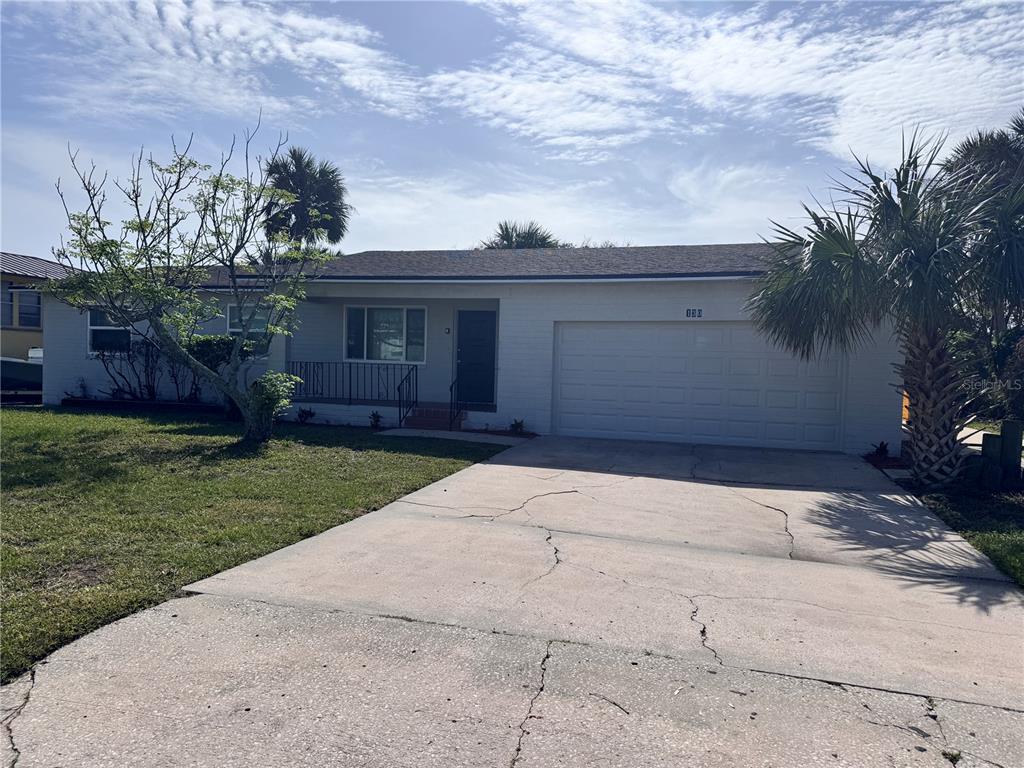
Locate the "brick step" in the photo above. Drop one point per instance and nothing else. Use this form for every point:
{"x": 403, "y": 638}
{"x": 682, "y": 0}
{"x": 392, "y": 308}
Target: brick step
{"x": 439, "y": 413}
{"x": 428, "y": 422}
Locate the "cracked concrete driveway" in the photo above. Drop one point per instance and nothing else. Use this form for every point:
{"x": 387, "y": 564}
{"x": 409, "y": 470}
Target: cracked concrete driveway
{"x": 570, "y": 603}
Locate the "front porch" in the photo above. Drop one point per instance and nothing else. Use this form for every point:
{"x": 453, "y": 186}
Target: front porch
{"x": 439, "y": 359}
{"x": 389, "y": 385}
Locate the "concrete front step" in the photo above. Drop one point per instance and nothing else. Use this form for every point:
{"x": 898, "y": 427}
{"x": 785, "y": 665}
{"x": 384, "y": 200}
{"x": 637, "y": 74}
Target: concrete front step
{"x": 428, "y": 422}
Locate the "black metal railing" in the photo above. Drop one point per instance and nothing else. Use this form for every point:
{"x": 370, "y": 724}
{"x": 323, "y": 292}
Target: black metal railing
{"x": 456, "y": 405}
{"x": 408, "y": 393}
{"x": 353, "y": 383}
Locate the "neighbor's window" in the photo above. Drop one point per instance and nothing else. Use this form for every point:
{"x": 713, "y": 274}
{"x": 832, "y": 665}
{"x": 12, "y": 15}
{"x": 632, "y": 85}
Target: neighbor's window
{"x": 8, "y": 304}
{"x": 386, "y": 334}
{"x": 105, "y": 335}
{"x": 30, "y": 310}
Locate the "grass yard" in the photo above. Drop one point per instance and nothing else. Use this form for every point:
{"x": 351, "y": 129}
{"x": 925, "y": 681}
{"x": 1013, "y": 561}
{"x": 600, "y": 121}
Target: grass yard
{"x": 984, "y": 425}
{"x": 104, "y": 515}
{"x": 993, "y": 524}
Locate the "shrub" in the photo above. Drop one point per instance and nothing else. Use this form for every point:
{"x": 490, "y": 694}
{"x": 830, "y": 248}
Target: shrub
{"x": 215, "y": 351}
{"x": 269, "y": 396}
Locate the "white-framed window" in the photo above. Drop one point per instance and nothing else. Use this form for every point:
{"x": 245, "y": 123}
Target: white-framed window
{"x": 258, "y": 328}
{"x": 30, "y": 309}
{"x": 386, "y": 334}
{"x": 105, "y": 335}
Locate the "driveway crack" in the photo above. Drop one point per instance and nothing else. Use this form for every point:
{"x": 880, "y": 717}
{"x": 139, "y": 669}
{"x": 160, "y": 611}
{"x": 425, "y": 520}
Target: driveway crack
{"x": 919, "y": 732}
{"x": 930, "y": 711}
{"x": 498, "y": 511}
{"x": 556, "y": 552}
{"x": 542, "y": 495}
{"x": 703, "y": 630}
{"x": 784, "y": 513}
{"x": 610, "y": 701}
{"x": 691, "y": 599}
{"x": 620, "y": 481}
{"x": 981, "y": 759}
{"x": 12, "y": 715}
{"x": 523, "y": 731}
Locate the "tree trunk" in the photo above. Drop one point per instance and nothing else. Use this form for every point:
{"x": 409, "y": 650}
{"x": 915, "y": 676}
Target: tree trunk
{"x": 259, "y": 423}
{"x": 934, "y": 383}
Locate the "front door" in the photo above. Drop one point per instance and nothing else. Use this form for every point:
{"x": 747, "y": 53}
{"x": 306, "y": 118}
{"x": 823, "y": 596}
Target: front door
{"x": 477, "y": 340}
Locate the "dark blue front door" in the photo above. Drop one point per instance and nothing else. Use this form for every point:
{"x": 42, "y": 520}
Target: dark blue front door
{"x": 477, "y": 339}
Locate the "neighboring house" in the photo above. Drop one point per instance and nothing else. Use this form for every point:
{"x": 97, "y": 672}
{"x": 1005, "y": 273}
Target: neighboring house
{"x": 650, "y": 343}
{"x": 21, "y": 322}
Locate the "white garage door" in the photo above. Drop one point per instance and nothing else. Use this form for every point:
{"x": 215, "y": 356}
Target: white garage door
{"x": 701, "y": 382}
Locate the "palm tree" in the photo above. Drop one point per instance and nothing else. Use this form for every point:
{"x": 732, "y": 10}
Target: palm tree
{"x": 902, "y": 251}
{"x": 315, "y": 207}
{"x": 996, "y": 159}
{"x": 513, "y": 235}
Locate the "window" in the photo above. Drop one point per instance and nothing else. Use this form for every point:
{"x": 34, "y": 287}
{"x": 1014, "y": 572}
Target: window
{"x": 258, "y": 324}
{"x": 8, "y": 305}
{"x": 30, "y": 310}
{"x": 105, "y": 336}
{"x": 257, "y": 327}
{"x": 386, "y": 334}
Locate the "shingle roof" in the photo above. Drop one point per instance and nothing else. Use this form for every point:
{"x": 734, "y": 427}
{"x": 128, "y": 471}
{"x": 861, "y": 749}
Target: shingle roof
{"x": 31, "y": 266}
{"x": 664, "y": 261}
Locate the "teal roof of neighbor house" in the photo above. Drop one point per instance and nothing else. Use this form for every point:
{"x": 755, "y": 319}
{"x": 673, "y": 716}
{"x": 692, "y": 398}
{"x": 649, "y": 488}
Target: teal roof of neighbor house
{"x": 634, "y": 262}
{"x": 31, "y": 266}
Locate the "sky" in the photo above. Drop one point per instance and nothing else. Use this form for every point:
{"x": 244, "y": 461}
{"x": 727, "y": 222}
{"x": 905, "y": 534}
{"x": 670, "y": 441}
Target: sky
{"x": 640, "y": 123}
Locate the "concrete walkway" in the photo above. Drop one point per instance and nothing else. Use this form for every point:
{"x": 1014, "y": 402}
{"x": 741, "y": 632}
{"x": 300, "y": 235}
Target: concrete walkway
{"x": 461, "y": 436}
{"x": 571, "y": 603}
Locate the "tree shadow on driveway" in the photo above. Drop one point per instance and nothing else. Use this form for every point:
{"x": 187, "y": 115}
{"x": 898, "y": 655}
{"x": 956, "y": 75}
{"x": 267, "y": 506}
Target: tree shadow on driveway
{"x": 898, "y": 536}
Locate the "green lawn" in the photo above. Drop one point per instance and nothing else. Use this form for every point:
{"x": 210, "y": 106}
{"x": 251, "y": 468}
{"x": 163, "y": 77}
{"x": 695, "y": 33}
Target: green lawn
{"x": 985, "y": 425}
{"x": 992, "y": 523}
{"x": 104, "y": 515}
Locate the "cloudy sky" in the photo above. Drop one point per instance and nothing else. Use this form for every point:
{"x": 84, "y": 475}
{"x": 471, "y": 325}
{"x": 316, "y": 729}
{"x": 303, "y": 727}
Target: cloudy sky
{"x": 635, "y": 122}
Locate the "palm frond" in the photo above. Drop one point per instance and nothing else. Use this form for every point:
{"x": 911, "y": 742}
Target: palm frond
{"x": 821, "y": 288}
{"x": 514, "y": 235}
{"x": 314, "y": 206}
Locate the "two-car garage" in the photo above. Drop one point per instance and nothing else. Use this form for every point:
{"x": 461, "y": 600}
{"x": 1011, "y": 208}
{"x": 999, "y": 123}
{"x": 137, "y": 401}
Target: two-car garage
{"x": 698, "y": 381}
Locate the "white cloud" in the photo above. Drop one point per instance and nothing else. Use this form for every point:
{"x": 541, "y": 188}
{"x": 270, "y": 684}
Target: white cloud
{"x": 581, "y": 80}
{"x": 459, "y": 209}
{"x": 833, "y": 76}
{"x": 707, "y": 203}
{"x": 734, "y": 202}
{"x": 578, "y": 110}
{"x": 162, "y": 60}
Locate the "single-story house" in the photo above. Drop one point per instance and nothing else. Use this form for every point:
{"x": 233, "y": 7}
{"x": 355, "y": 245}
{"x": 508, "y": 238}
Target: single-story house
{"x": 650, "y": 343}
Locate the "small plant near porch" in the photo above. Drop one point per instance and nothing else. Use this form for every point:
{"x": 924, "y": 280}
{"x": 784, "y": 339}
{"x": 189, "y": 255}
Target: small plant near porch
{"x": 192, "y": 226}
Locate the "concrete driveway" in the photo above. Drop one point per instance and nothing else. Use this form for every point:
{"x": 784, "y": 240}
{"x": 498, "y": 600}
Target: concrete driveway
{"x": 570, "y": 603}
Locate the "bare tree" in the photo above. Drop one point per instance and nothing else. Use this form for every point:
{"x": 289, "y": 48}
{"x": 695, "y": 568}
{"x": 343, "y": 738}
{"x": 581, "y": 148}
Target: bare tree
{"x": 195, "y": 233}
